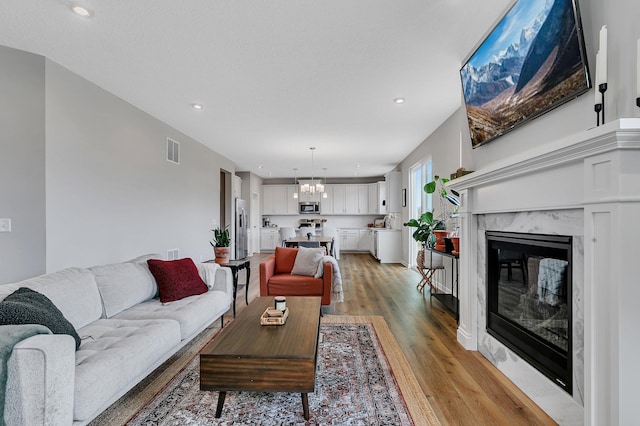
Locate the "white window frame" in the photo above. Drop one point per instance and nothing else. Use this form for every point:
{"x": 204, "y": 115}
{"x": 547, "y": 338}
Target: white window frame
{"x": 416, "y": 190}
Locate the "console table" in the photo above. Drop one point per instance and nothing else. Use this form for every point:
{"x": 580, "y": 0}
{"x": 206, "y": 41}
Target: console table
{"x": 449, "y": 300}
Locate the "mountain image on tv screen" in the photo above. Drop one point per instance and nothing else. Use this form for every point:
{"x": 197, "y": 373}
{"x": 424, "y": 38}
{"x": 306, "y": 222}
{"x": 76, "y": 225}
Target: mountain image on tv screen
{"x": 531, "y": 62}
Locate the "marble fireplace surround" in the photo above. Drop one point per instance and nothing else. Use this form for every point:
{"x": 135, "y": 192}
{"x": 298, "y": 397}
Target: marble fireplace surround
{"x": 586, "y": 186}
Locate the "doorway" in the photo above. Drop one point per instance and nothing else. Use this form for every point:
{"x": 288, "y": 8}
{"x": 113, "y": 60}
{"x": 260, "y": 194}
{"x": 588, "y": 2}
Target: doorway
{"x": 226, "y": 205}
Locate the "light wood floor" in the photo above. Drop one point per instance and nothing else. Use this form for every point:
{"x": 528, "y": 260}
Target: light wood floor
{"x": 462, "y": 386}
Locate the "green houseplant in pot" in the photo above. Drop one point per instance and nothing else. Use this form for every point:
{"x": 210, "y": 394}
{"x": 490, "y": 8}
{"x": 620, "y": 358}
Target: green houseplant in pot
{"x": 220, "y": 244}
{"x": 431, "y": 230}
{"x": 447, "y": 198}
{"x": 425, "y": 226}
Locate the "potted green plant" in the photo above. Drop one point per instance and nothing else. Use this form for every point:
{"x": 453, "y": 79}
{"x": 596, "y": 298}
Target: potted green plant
{"x": 431, "y": 230}
{"x": 220, "y": 244}
{"x": 425, "y": 226}
{"x": 447, "y": 198}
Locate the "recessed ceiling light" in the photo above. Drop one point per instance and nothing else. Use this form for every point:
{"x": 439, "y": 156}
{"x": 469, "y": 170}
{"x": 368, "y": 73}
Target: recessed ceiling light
{"x": 399, "y": 100}
{"x": 81, "y": 11}
{"x": 197, "y": 106}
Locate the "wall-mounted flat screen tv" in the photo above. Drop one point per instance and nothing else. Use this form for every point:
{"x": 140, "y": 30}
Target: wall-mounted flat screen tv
{"x": 531, "y": 62}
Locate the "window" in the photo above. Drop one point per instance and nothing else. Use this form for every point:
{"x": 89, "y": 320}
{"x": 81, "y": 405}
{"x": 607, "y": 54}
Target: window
{"x": 421, "y": 202}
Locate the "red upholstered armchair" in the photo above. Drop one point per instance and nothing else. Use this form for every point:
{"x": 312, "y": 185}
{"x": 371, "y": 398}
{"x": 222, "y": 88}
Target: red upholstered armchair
{"x": 276, "y": 278}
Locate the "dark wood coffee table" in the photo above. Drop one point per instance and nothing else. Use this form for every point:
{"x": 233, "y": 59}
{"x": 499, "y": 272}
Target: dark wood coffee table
{"x": 247, "y": 356}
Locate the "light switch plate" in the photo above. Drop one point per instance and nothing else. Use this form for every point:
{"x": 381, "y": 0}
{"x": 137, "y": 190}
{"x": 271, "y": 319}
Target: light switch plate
{"x": 5, "y": 225}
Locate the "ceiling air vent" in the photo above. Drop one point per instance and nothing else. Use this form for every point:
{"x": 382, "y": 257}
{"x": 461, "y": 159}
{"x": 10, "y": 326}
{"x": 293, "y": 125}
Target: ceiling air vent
{"x": 173, "y": 151}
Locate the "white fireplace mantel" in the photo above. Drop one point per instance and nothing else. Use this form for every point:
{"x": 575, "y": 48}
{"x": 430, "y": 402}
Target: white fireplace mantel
{"x": 595, "y": 173}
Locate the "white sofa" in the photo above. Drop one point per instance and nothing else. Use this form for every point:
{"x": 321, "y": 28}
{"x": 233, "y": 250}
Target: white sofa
{"x": 126, "y": 333}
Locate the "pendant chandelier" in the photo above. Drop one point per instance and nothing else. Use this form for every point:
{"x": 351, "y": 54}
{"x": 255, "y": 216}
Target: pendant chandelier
{"x": 312, "y": 189}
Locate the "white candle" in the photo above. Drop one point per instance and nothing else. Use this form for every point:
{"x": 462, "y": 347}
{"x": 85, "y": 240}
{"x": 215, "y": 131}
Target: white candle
{"x": 603, "y": 55}
{"x": 638, "y": 70}
{"x": 598, "y": 98}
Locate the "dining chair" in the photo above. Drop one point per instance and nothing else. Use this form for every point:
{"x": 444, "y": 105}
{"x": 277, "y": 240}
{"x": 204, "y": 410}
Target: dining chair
{"x": 285, "y": 234}
{"x": 309, "y": 244}
{"x": 330, "y": 231}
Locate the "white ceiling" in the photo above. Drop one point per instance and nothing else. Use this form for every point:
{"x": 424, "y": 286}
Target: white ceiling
{"x": 275, "y": 76}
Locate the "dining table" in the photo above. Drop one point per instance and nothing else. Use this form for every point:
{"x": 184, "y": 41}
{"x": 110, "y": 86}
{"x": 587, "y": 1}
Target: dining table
{"x": 324, "y": 241}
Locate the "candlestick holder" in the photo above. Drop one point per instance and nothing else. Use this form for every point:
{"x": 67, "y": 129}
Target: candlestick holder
{"x": 598, "y": 109}
{"x": 602, "y": 88}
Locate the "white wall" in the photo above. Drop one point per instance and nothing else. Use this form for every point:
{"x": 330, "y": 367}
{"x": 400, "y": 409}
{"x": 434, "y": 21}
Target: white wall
{"x": 111, "y": 194}
{"x": 571, "y": 118}
{"x": 22, "y": 151}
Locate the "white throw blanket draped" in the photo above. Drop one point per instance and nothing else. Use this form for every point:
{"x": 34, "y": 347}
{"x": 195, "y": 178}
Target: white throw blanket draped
{"x": 336, "y": 279}
{"x": 207, "y": 272}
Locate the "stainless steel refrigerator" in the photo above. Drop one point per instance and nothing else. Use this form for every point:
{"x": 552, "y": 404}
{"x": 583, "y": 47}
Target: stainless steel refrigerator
{"x": 242, "y": 238}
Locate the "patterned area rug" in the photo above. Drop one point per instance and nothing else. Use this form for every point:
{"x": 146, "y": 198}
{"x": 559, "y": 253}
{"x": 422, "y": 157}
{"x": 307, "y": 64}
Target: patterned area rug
{"x": 362, "y": 378}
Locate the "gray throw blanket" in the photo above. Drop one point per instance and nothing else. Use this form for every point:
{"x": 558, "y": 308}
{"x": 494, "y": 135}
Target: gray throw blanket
{"x": 336, "y": 279}
{"x": 10, "y": 335}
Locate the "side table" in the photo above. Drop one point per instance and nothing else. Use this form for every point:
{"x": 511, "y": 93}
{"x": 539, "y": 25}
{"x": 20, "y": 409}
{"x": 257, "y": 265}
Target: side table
{"x": 236, "y": 266}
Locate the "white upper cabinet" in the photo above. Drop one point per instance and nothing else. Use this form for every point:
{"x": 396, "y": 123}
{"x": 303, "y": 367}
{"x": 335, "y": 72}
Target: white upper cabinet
{"x": 292, "y": 203}
{"x": 342, "y": 199}
{"x": 363, "y": 199}
{"x": 394, "y": 192}
{"x": 339, "y": 199}
{"x": 373, "y": 198}
{"x": 278, "y": 199}
{"x": 326, "y": 204}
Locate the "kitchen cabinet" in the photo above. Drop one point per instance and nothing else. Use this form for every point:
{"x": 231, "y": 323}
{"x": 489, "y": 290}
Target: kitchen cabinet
{"x": 339, "y": 199}
{"x": 373, "y": 198}
{"x": 292, "y": 203}
{"x": 363, "y": 239}
{"x": 372, "y": 242}
{"x": 381, "y": 206}
{"x": 326, "y": 204}
{"x": 269, "y": 239}
{"x": 363, "y": 199}
{"x": 350, "y": 199}
{"x": 349, "y": 239}
{"x": 394, "y": 191}
{"x": 387, "y": 245}
{"x": 278, "y": 199}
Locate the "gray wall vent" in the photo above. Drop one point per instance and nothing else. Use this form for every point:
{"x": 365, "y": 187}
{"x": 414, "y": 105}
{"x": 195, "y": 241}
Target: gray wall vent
{"x": 173, "y": 151}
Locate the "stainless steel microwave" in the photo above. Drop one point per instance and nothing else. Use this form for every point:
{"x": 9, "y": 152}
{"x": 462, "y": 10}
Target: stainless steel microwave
{"x": 309, "y": 208}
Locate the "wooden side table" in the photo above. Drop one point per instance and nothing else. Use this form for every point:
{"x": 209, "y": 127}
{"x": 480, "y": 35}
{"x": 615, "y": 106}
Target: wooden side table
{"x": 236, "y": 266}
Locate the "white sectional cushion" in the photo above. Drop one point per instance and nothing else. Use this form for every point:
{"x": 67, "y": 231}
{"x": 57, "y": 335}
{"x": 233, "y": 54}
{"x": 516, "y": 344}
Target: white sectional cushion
{"x": 123, "y": 285}
{"x": 115, "y": 353}
{"x": 7, "y": 289}
{"x": 192, "y": 312}
{"x": 74, "y": 291}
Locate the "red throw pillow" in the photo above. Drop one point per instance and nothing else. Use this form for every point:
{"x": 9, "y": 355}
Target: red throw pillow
{"x": 176, "y": 279}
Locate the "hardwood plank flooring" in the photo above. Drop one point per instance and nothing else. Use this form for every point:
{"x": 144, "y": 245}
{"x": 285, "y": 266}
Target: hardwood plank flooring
{"x": 462, "y": 386}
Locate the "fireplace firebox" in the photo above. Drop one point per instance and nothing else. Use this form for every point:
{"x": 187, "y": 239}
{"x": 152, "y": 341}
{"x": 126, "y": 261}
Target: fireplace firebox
{"x": 529, "y": 299}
